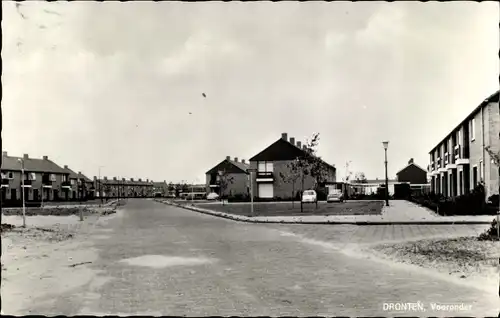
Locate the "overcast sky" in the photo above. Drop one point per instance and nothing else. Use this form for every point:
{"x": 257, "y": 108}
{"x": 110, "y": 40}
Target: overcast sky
{"x": 112, "y": 84}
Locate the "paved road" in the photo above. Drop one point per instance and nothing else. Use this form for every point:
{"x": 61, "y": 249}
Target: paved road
{"x": 220, "y": 267}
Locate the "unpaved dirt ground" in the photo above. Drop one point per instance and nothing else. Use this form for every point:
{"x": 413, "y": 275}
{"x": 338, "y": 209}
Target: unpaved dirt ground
{"x": 465, "y": 257}
{"x": 47, "y": 257}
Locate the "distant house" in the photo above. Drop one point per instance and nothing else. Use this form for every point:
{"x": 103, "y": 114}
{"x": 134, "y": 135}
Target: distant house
{"x": 43, "y": 179}
{"x": 81, "y": 187}
{"x": 232, "y": 175}
{"x": 413, "y": 174}
{"x": 273, "y": 162}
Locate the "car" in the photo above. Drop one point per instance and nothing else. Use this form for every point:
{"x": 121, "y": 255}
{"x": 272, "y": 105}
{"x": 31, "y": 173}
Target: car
{"x": 212, "y": 196}
{"x": 335, "y": 197}
{"x": 309, "y": 196}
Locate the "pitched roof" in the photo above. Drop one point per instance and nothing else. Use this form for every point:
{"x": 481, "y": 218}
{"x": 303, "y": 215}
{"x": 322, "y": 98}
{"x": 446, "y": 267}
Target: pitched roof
{"x": 31, "y": 164}
{"x": 74, "y": 175}
{"x": 411, "y": 164}
{"x": 282, "y": 149}
{"x": 491, "y": 99}
{"x": 243, "y": 167}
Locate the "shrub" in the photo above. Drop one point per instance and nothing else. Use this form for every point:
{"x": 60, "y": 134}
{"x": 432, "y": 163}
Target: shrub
{"x": 238, "y": 198}
{"x": 493, "y": 200}
{"x": 490, "y": 234}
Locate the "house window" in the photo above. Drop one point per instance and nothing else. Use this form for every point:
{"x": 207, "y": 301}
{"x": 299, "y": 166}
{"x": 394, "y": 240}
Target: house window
{"x": 4, "y": 175}
{"x": 11, "y": 175}
{"x": 32, "y": 176}
{"x": 262, "y": 167}
{"x": 265, "y": 166}
{"x": 474, "y": 176}
{"x": 73, "y": 181}
{"x": 473, "y": 129}
{"x": 481, "y": 171}
{"x": 459, "y": 136}
{"x": 52, "y": 177}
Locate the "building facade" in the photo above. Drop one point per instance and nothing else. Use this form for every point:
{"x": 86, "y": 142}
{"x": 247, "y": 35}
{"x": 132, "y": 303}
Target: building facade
{"x": 460, "y": 162}
{"x": 273, "y": 177}
{"x": 229, "y": 177}
{"x": 43, "y": 180}
{"x": 82, "y": 188}
{"x": 123, "y": 188}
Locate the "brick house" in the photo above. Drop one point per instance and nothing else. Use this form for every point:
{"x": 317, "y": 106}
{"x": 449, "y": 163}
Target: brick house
{"x": 412, "y": 174}
{"x": 43, "y": 179}
{"x": 113, "y": 188}
{"x": 273, "y": 161}
{"x": 459, "y": 161}
{"x": 82, "y": 188}
{"x": 236, "y": 174}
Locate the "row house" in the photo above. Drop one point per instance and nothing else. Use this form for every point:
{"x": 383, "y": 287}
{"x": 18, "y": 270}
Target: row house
{"x": 113, "y": 188}
{"x": 81, "y": 187}
{"x": 43, "y": 180}
{"x": 160, "y": 188}
{"x": 229, "y": 177}
{"x": 459, "y": 162}
{"x": 272, "y": 163}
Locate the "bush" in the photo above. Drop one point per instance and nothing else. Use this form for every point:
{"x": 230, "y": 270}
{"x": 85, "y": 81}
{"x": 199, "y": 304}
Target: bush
{"x": 490, "y": 234}
{"x": 239, "y": 198}
{"x": 493, "y": 200}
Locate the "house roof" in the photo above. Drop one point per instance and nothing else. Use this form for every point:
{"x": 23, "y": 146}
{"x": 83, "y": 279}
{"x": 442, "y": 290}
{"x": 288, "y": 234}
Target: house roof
{"x": 491, "y": 99}
{"x": 31, "y": 164}
{"x": 411, "y": 164}
{"x": 243, "y": 167}
{"x": 282, "y": 149}
{"x": 74, "y": 175}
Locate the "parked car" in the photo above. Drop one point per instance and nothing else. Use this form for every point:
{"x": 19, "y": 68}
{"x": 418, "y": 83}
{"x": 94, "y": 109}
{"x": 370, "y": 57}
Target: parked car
{"x": 212, "y": 196}
{"x": 335, "y": 196}
{"x": 309, "y": 196}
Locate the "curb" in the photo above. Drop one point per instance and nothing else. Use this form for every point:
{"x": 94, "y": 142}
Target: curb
{"x": 360, "y": 223}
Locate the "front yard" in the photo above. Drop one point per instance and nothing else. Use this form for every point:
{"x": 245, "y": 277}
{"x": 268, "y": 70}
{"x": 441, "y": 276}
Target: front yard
{"x": 289, "y": 209}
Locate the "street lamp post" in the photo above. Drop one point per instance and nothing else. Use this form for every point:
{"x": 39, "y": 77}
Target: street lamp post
{"x": 22, "y": 186}
{"x": 386, "y": 145}
{"x": 251, "y": 190}
{"x": 99, "y": 181}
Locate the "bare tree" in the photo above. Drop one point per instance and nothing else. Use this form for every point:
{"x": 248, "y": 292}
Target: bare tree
{"x": 360, "y": 178}
{"x": 291, "y": 177}
{"x": 495, "y": 157}
{"x": 311, "y": 164}
{"x": 224, "y": 179}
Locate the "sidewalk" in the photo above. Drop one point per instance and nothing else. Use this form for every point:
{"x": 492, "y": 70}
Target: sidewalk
{"x": 67, "y": 206}
{"x": 399, "y": 212}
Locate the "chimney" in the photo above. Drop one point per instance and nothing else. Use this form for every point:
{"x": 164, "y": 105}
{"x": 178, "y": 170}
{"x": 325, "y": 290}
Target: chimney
{"x": 292, "y": 140}
{"x": 235, "y": 159}
{"x": 131, "y": 179}
{"x": 65, "y": 167}
{"x": 4, "y": 153}
{"x": 123, "y": 179}
{"x": 95, "y": 178}
{"x": 242, "y": 160}
{"x": 25, "y": 156}
{"x": 299, "y": 144}
{"x": 114, "y": 178}
{"x": 79, "y": 172}
{"x": 45, "y": 157}
{"x": 228, "y": 157}
{"x": 284, "y": 136}
{"x": 410, "y": 161}
{"x": 140, "y": 180}
{"x": 304, "y": 147}
{"x": 147, "y": 180}
{"x": 105, "y": 178}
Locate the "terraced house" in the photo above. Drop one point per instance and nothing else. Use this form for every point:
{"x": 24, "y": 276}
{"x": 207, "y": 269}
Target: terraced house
{"x": 273, "y": 162}
{"x": 228, "y": 176}
{"x": 113, "y": 188}
{"x": 459, "y": 162}
{"x": 82, "y": 188}
{"x": 43, "y": 179}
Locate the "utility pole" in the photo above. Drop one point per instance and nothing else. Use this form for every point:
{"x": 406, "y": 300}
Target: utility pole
{"x": 386, "y": 145}
{"x": 22, "y": 190}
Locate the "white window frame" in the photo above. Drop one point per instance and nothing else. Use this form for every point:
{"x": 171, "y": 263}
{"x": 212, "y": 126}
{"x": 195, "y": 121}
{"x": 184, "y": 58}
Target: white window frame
{"x": 10, "y": 175}
{"x": 269, "y": 166}
{"x": 32, "y": 176}
{"x": 459, "y": 142}
{"x": 5, "y": 175}
{"x": 473, "y": 129}
{"x": 73, "y": 181}
{"x": 52, "y": 177}
{"x": 260, "y": 165}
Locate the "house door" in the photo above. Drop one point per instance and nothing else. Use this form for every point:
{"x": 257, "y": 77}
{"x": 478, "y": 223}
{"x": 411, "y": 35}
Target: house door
{"x": 13, "y": 194}
{"x": 460, "y": 182}
{"x": 4, "y": 194}
{"x": 266, "y": 190}
{"x": 35, "y": 195}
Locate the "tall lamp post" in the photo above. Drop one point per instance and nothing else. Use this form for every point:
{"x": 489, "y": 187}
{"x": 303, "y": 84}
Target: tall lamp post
{"x": 99, "y": 181}
{"x": 22, "y": 186}
{"x": 386, "y": 145}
